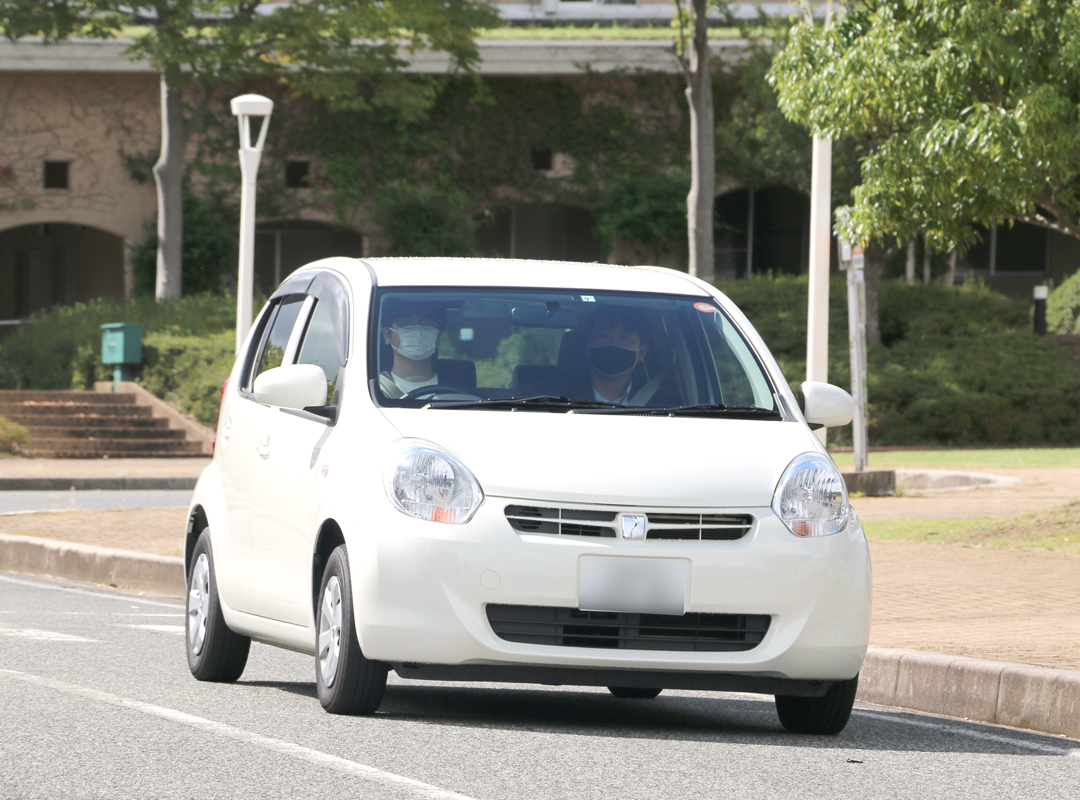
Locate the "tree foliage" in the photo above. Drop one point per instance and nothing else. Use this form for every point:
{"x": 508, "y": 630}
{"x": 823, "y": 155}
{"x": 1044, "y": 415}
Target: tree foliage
{"x": 970, "y": 109}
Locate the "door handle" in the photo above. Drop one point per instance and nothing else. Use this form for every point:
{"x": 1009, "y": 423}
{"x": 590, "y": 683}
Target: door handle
{"x": 264, "y": 446}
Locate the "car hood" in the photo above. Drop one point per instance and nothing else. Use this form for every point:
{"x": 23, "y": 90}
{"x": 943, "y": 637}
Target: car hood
{"x": 613, "y": 459}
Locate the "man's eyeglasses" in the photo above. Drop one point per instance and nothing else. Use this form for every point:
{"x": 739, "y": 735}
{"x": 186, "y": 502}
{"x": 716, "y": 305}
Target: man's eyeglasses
{"x": 408, "y": 327}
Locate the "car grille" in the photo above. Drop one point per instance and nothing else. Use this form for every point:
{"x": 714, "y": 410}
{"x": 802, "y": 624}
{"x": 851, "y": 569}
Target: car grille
{"x": 666, "y": 526}
{"x": 698, "y": 526}
{"x": 563, "y": 521}
{"x": 572, "y": 627}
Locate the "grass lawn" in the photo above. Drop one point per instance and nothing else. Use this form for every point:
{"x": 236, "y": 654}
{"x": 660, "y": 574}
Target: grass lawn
{"x": 967, "y": 459}
{"x": 1057, "y": 530}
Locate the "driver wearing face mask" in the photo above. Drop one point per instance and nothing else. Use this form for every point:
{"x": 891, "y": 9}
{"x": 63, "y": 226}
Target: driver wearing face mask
{"x": 413, "y": 336}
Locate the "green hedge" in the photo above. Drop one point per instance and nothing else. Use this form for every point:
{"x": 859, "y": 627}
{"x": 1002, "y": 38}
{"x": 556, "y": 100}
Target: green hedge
{"x": 957, "y": 366}
{"x": 1063, "y": 307}
{"x": 61, "y": 348}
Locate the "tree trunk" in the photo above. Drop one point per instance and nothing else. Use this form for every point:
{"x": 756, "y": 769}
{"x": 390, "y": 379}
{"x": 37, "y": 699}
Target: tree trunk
{"x": 909, "y": 265}
{"x": 700, "y": 201}
{"x": 169, "y": 177}
{"x": 874, "y": 265}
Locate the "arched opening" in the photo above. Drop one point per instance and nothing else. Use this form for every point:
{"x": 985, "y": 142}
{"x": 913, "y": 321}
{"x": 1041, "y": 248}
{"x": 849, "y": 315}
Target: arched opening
{"x": 767, "y": 230}
{"x": 548, "y": 231}
{"x": 57, "y": 263}
{"x": 281, "y": 247}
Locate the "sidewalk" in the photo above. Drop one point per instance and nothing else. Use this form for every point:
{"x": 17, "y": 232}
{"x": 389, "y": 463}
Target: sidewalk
{"x": 943, "y": 600}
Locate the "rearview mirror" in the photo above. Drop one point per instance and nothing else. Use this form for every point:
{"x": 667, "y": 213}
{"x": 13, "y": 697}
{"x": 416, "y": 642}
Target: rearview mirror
{"x": 292, "y": 386}
{"x": 826, "y": 405}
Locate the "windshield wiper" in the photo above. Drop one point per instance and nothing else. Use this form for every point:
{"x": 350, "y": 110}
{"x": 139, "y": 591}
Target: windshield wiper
{"x": 544, "y": 402}
{"x": 715, "y": 409}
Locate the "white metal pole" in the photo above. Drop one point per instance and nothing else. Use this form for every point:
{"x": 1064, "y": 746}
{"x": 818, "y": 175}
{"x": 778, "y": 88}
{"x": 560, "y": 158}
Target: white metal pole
{"x": 244, "y": 107}
{"x": 856, "y": 283}
{"x": 817, "y": 333}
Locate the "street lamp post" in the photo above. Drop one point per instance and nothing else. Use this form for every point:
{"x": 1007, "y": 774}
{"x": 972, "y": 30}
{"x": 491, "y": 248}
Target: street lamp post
{"x": 244, "y": 108}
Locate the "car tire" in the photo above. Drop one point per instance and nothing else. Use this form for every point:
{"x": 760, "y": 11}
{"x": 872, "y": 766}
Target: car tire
{"x": 634, "y": 693}
{"x": 214, "y": 652}
{"x": 348, "y": 682}
{"x": 822, "y": 716}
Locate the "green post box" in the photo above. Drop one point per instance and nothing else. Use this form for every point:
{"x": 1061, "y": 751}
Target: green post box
{"x": 121, "y": 346}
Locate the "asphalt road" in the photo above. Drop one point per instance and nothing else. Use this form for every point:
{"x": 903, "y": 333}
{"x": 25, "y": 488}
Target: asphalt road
{"x": 12, "y": 502}
{"x": 96, "y": 701}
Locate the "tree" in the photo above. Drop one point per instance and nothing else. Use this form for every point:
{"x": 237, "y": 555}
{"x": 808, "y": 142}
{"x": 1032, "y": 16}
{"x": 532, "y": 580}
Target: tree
{"x": 692, "y": 51}
{"x": 970, "y": 110}
{"x": 330, "y": 49}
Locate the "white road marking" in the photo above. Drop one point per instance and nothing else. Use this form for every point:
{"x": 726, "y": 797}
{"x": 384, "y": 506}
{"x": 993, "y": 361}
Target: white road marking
{"x": 41, "y": 636}
{"x": 159, "y": 628}
{"x": 125, "y": 597}
{"x": 1073, "y": 752}
{"x": 389, "y": 779}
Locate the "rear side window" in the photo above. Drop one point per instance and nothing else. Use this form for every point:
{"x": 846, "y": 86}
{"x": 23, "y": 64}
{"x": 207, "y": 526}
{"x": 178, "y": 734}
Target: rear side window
{"x": 320, "y": 347}
{"x": 275, "y": 341}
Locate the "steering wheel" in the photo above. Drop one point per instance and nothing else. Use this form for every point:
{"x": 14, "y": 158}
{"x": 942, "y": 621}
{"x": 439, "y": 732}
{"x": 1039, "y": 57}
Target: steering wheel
{"x": 432, "y": 391}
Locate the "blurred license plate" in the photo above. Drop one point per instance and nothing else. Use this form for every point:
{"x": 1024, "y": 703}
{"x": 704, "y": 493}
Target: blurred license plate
{"x": 633, "y": 585}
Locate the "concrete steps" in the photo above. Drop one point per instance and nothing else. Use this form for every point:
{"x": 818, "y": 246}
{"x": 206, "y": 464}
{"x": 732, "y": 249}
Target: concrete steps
{"x": 86, "y": 424}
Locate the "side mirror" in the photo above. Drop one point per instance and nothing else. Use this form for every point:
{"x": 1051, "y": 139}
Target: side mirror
{"x": 292, "y": 386}
{"x": 825, "y": 405}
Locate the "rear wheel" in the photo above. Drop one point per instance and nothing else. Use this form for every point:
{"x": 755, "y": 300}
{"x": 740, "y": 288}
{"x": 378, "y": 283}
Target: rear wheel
{"x": 823, "y": 716}
{"x": 634, "y": 693}
{"x": 214, "y": 652}
{"x": 348, "y": 681}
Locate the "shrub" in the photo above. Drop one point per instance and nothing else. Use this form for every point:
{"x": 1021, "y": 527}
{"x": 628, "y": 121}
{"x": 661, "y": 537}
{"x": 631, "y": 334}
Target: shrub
{"x": 956, "y": 365}
{"x": 1063, "y": 307}
{"x": 61, "y": 348}
{"x": 14, "y": 438}
{"x": 188, "y": 371}
{"x": 426, "y": 223}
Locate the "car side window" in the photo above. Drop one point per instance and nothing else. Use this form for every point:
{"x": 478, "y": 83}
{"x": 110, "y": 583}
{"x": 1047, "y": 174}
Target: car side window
{"x": 273, "y": 352}
{"x": 319, "y": 347}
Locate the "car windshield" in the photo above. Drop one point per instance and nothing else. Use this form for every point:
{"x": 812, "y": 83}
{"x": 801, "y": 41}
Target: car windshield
{"x": 601, "y": 352}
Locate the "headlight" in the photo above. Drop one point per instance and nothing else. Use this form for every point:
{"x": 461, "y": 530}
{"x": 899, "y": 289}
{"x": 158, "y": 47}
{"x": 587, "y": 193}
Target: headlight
{"x": 811, "y": 497}
{"x": 426, "y": 482}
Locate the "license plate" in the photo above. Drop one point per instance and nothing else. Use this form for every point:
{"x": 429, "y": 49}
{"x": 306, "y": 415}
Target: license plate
{"x": 633, "y": 585}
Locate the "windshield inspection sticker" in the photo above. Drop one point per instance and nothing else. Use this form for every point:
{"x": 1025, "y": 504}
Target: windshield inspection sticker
{"x": 705, "y": 308}
{"x": 588, "y": 298}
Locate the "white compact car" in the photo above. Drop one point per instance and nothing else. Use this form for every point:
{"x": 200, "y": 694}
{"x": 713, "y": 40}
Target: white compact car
{"x": 524, "y": 471}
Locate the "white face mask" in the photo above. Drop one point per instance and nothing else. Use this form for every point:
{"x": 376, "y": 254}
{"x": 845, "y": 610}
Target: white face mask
{"x": 415, "y": 342}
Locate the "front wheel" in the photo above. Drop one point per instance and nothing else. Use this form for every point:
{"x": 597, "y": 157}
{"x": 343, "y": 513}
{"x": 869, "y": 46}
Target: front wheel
{"x": 348, "y": 681}
{"x": 823, "y": 716}
{"x": 214, "y": 652}
{"x": 634, "y": 693}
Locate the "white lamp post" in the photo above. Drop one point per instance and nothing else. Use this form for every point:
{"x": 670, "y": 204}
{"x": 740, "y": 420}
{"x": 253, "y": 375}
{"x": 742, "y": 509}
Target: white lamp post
{"x": 244, "y": 108}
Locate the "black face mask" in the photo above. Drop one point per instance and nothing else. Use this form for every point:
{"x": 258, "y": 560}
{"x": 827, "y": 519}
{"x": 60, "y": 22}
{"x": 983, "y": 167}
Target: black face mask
{"x": 610, "y": 359}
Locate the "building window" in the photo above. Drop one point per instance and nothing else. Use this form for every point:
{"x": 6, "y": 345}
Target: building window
{"x": 541, "y": 158}
{"x": 56, "y": 175}
{"x": 297, "y": 174}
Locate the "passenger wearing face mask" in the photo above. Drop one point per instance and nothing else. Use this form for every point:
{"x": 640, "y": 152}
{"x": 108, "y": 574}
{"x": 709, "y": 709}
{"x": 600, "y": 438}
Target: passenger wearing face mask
{"x": 617, "y": 342}
{"x": 413, "y": 336}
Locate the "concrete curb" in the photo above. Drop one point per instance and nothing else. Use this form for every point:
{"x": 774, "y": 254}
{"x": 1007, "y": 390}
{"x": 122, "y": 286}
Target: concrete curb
{"x": 150, "y": 483}
{"x": 1000, "y": 692}
{"x": 138, "y": 572}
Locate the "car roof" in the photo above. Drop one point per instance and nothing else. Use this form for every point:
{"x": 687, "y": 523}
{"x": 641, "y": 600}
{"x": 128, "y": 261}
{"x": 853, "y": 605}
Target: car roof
{"x": 514, "y": 273}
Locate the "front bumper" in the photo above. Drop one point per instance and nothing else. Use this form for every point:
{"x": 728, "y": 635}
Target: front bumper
{"x": 421, "y": 590}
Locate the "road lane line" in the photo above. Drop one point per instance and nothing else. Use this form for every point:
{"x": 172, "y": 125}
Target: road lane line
{"x": 1073, "y": 752}
{"x": 389, "y": 779}
{"x": 117, "y": 595}
{"x": 159, "y": 628}
{"x": 41, "y": 636}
